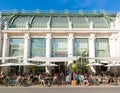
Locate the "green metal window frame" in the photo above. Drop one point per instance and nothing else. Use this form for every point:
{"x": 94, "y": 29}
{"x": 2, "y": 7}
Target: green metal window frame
{"x": 81, "y": 47}
{"x": 38, "y": 47}
{"x": 102, "y": 47}
{"x": 59, "y": 47}
{"x": 16, "y": 47}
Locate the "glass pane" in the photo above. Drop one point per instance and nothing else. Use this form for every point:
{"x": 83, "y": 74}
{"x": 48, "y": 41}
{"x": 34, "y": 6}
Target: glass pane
{"x": 59, "y": 47}
{"x": 16, "y": 47}
{"x": 102, "y": 47}
{"x": 38, "y": 47}
{"x": 81, "y": 47}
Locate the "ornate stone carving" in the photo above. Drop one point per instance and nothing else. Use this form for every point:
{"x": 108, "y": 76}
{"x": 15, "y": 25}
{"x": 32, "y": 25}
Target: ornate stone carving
{"x": 92, "y": 36}
{"x": 48, "y": 36}
{"x": 27, "y": 25}
{"x": 26, "y": 36}
{"x": 71, "y": 36}
{"x": 5, "y": 36}
{"x": 114, "y": 37}
{"x": 118, "y": 15}
{"x": 6, "y": 25}
{"x": 91, "y": 24}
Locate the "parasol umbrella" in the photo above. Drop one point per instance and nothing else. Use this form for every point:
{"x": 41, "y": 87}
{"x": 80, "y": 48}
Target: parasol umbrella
{"x": 94, "y": 64}
{"x": 9, "y": 64}
{"x": 47, "y": 64}
{"x": 26, "y": 64}
{"x": 112, "y": 65}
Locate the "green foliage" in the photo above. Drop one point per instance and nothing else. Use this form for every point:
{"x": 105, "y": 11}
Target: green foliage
{"x": 73, "y": 67}
{"x": 32, "y": 68}
{"x": 79, "y": 70}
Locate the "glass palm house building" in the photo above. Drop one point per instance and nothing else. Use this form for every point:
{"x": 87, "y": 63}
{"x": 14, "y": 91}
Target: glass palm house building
{"x": 59, "y": 37}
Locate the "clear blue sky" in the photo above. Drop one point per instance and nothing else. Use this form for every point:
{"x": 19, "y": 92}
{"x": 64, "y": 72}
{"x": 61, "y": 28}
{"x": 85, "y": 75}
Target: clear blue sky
{"x": 109, "y": 5}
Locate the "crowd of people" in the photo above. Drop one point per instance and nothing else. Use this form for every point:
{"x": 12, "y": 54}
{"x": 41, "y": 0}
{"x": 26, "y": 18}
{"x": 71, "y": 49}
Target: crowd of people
{"x": 45, "y": 79}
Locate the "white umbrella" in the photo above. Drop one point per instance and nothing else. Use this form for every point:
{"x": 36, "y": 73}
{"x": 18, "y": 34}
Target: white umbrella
{"x": 112, "y": 65}
{"x": 47, "y": 64}
{"x": 9, "y": 64}
{"x": 26, "y": 64}
{"x": 7, "y": 58}
{"x": 94, "y": 64}
{"x": 55, "y": 59}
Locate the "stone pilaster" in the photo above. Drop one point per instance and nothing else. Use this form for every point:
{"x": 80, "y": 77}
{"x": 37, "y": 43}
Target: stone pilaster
{"x": 48, "y": 50}
{"x": 26, "y": 49}
{"x": 92, "y": 50}
{"x": 112, "y": 43}
{"x": 70, "y": 46}
{"x": 0, "y": 44}
{"x": 5, "y": 51}
{"x": 92, "y": 47}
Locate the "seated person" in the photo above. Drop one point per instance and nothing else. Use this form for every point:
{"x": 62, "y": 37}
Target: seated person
{"x": 79, "y": 79}
{"x": 85, "y": 82}
{"x": 68, "y": 78}
{"x": 55, "y": 79}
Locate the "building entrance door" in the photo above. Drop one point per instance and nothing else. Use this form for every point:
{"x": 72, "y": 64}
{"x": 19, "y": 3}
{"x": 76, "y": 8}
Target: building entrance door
{"x": 60, "y": 68}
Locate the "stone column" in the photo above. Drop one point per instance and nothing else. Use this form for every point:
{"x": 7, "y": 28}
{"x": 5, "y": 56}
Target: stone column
{"x": 26, "y": 49}
{"x": 70, "y": 46}
{"x": 48, "y": 25}
{"x": 0, "y": 44}
{"x": 112, "y": 43}
{"x": 48, "y": 51}
{"x": 27, "y": 25}
{"x": 92, "y": 47}
{"x": 70, "y": 25}
{"x": 5, "y": 51}
{"x": 92, "y": 50}
{"x": 118, "y": 45}
{"x": 113, "y": 50}
{"x": 0, "y": 34}
{"x": 0, "y": 24}
{"x": 91, "y": 25}
{"x": 112, "y": 25}
{"x": 5, "y": 25}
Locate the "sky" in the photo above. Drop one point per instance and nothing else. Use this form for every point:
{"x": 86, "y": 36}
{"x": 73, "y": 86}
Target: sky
{"x": 107, "y": 5}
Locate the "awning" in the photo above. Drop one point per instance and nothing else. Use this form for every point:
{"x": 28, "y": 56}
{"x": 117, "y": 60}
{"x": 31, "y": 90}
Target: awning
{"x": 55, "y": 59}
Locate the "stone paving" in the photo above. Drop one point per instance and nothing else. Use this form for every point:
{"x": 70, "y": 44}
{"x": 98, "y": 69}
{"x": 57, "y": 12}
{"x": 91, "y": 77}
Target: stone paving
{"x": 62, "y": 86}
